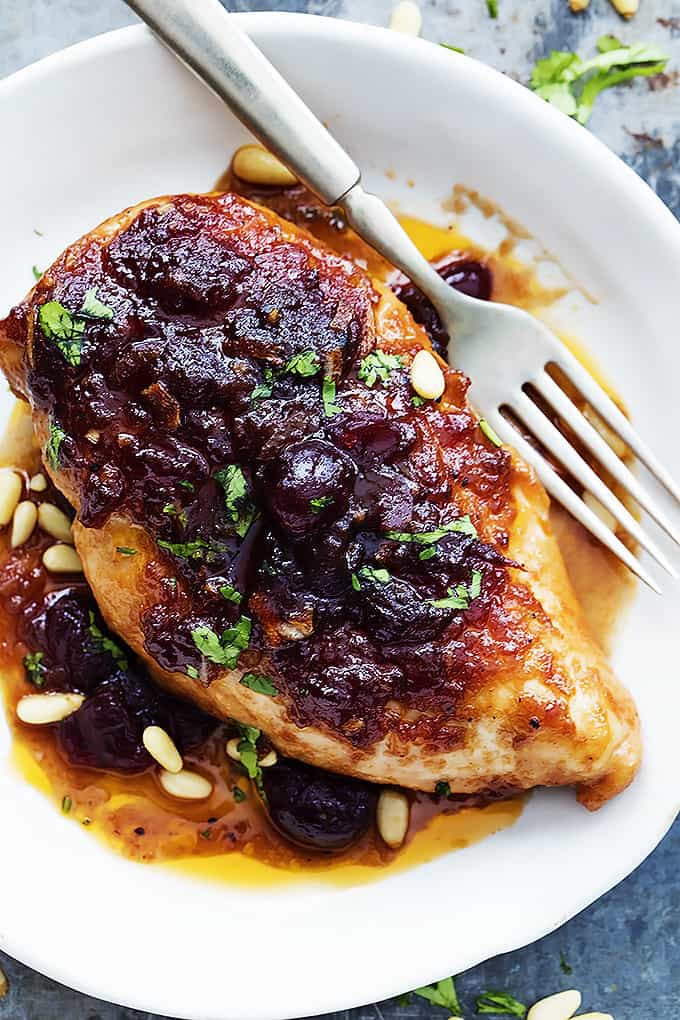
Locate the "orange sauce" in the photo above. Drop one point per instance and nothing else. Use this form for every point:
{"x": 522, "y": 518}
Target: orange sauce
{"x": 134, "y": 816}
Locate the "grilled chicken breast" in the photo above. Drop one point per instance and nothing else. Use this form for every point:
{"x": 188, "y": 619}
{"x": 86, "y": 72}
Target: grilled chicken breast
{"x": 285, "y": 532}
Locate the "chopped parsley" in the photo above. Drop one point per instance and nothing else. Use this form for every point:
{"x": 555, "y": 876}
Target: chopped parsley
{"x": 188, "y": 550}
{"x": 65, "y": 329}
{"x": 377, "y": 366}
{"x": 192, "y": 672}
{"x": 37, "y": 273}
{"x": 462, "y": 525}
{"x": 572, "y": 84}
{"x": 171, "y": 510}
{"x": 225, "y": 650}
{"x": 260, "y": 684}
{"x": 66, "y": 804}
{"x": 489, "y": 432}
{"x": 125, "y": 550}
{"x": 305, "y": 364}
{"x": 189, "y": 486}
{"x": 500, "y": 1004}
{"x": 264, "y": 389}
{"x": 462, "y": 596}
{"x": 247, "y": 749}
{"x": 231, "y": 594}
{"x": 35, "y": 668}
{"x": 320, "y": 503}
{"x": 448, "y": 46}
{"x": 441, "y": 993}
{"x": 328, "y": 394}
{"x": 442, "y": 789}
{"x": 564, "y": 966}
{"x": 237, "y": 499}
{"x": 417, "y": 401}
{"x": 377, "y": 574}
{"x": 238, "y": 794}
{"x": 492, "y": 8}
{"x": 427, "y": 553}
{"x": 93, "y": 308}
{"x": 53, "y": 445}
{"x": 102, "y": 643}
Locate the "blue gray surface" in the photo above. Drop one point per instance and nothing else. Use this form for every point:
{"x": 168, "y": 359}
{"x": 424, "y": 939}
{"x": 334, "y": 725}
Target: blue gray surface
{"x": 624, "y": 951}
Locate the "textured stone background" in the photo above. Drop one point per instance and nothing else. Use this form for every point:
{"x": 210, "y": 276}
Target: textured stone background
{"x": 624, "y": 951}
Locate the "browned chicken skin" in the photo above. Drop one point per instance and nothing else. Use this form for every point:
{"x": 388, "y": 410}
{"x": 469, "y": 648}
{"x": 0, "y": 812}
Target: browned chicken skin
{"x": 227, "y": 405}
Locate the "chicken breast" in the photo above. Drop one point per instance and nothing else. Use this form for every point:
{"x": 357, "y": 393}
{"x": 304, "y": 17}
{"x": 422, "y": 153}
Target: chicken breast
{"x": 285, "y": 532}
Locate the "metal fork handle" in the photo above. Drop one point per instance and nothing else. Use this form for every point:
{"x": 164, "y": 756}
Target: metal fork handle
{"x": 207, "y": 39}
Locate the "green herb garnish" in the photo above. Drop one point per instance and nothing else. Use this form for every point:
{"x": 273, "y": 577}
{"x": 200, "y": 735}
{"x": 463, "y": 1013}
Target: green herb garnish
{"x": 417, "y": 401}
{"x": 125, "y": 550}
{"x": 237, "y": 499}
{"x": 238, "y": 794}
{"x": 35, "y": 669}
{"x": 104, "y": 643}
{"x": 492, "y": 8}
{"x": 456, "y": 49}
{"x": 572, "y": 85}
{"x": 187, "y": 485}
{"x": 499, "y": 1003}
{"x": 328, "y": 394}
{"x": 93, "y": 308}
{"x": 225, "y": 650}
{"x": 188, "y": 550}
{"x": 192, "y": 672}
{"x": 305, "y": 364}
{"x": 377, "y": 366}
{"x": 53, "y": 444}
{"x": 37, "y": 273}
{"x": 462, "y": 596}
{"x": 264, "y": 389}
{"x": 564, "y": 966}
{"x": 462, "y": 525}
{"x": 320, "y": 503}
{"x": 377, "y": 574}
{"x": 66, "y": 804}
{"x": 427, "y": 553}
{"x": 231, "y": 594}
{"x": 247, "y": 749}
{"x": 66, "y": 330}
{"x": 441, "y": 993}
{"x": 489, "y": 432}
{"x": 260, "y": 684}
{"x": 442, "y": 789}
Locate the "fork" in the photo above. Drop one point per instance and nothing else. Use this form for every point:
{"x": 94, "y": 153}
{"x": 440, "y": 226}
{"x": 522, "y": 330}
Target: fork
{"x": 505, "y": 351}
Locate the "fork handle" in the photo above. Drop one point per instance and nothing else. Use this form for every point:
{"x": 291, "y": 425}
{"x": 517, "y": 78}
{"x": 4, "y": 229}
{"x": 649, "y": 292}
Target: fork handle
{"x": 207, "y": 39}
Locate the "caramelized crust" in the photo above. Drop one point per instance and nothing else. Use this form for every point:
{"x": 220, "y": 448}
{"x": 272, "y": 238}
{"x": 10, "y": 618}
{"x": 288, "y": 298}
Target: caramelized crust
{"x": 238, "y": 470}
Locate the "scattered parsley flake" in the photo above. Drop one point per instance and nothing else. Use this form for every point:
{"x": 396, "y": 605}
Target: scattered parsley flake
{"x": 380, "y": 575}
{"x": 417, "y": 401}
{"x": 305, "y": 364}
{"x": 564, "y": 966}
{"x": 499, "y": 1003}
{"x": 238, "y": 794}
{"x": 189, "y": 486}
{"x": 192, "y": 672}
{"x": 247, "y": 749}
{"x": 492, "y": 8}
{"x": 93, "y": 308}
{"x": 37, "y": 273}
{"x": 53, "y": 445}
{"x": 456, "y": 49}
{"x": 377, "y": 366}
{"x": 328, "y": 394}
{"x": 205, "y": 833}
{"x": 237, "y": 498}
{"x": 489, "y": 432}
{"x": 231, "y": 594}
{"x": 441, "y": 993}
{"x": 462, "y": 596}
{"x": 106, "y": 644}
{"x": 35, "y": 668}
{"x": 462, "y": 525}
{"x": 427, "y": 553}
{"x": 355, "y": 583}
{"x": 264, "y": 389}
{"x": 66, "y": 804}
{"x": 572, "y": 85}
{"x": 66, "y": 330}
{"x": 320, "y": 503}
{"x": 125, "y": 550}
{"x": 260, "y": 684}
{"x": 225, "y": 650}
{"x": 187, "y": 550}
{"x": 442, "y": 789}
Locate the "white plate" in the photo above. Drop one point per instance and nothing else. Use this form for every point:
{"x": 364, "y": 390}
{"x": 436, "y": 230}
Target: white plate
{"x": 115, "y": 120}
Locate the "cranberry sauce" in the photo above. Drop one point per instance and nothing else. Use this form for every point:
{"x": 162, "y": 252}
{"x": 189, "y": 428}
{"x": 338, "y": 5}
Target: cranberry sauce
{"x": 216, "y": 378}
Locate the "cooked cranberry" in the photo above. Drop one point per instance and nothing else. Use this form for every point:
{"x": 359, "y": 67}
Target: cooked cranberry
{"x": 465, "y": 275}
{"x": 309, "y": 484}
{"x": 317, "y": 809}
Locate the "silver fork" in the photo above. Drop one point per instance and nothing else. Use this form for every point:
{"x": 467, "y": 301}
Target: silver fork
{"x": 503, "y": 349}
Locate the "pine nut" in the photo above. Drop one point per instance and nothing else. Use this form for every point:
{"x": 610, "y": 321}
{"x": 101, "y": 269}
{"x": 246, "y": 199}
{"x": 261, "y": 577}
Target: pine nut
{"x": 41, "y": 709}
{"x": 270, "y": 758}
{"x": 556, "y": 1007}
{"x": 232, "y": 748}
{"x": 626, "y": 8}
{"x": 406, "y": 18}
{"x": 23, "y": 523}
{"x": 186, "y": 785}
{"x": 256, "y": 165}
{"x": 62, "y": 559}
{"x": 393, "y": 817}
{"x": 10, "y": 494}
{"x": 55, "y": 522}
{"x": 38, "y": 483}
{"x": 578, "y": 5}
{"x": 162, "y": 749}
{"x": 427, "y": 378}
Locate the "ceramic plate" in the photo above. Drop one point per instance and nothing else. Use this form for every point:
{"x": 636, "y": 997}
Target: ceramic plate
{"x": 114, "y": 120}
